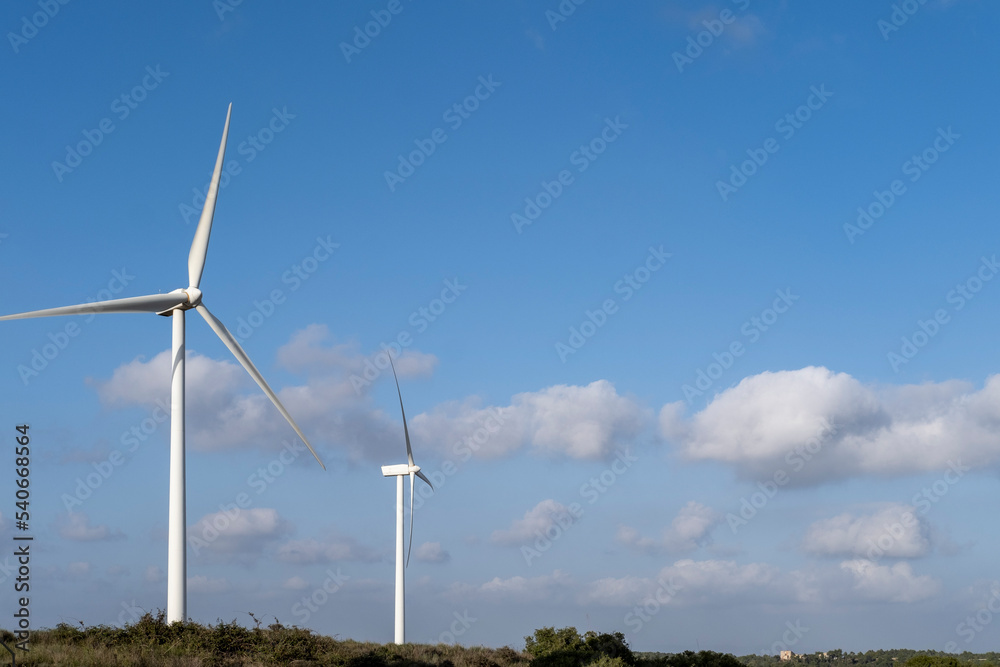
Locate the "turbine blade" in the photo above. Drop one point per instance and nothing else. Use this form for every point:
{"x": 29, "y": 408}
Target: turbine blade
{"x": 411, "y": 522}
{"x": 406, "y": 432}
{"x": 421, "y": 475}
{"x": 241, "y": 356}
{"x": 154, "y": 303}
{"x": 199, "y": 247}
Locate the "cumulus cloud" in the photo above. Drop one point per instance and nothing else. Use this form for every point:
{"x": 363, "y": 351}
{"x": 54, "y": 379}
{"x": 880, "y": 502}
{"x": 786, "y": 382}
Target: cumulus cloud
{"x": 241, "y": 538}
{"x": 547, "y": 587}
{"x": 690, "y": 529}
{"x": 788, "y": 419}
{"x": 311, "y": 350}
{"x": 711, "y": 583}
{"x": 889, "y": 583}
{"x": 692, "y": 582}
{"x": 225, "y": 410}
{"x": 892, "y": 531}
{"x": 333, "y": 549}
{"x": 76, "y": 526}
{"x": 431, "y": 552}
{"x": 535, "y": 522}
{"x": 579, "y": 422}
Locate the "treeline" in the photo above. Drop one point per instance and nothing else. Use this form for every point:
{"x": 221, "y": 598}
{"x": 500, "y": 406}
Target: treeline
{"x": 152, "y": 642}
{"x": 881, "y": 658}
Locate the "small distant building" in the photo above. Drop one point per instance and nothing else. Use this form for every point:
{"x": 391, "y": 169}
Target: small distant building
{"x": 786, "y": 655}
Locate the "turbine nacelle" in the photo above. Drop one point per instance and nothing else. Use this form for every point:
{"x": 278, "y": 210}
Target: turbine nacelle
{"x": 401, "y": 469}
{"x": 191, "y": 299}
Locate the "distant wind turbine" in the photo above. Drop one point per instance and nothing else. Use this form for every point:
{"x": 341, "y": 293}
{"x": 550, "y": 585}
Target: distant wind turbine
{"x": 399, "y": 472}
{"x": 174, "y": 304}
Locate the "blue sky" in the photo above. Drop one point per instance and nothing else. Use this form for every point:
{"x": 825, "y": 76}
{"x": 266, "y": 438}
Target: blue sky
{"x": 673, "y": 342}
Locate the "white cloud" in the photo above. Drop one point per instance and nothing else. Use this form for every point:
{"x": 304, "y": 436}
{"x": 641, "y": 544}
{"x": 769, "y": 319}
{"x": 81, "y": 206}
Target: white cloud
{"x": 691, "y": 582}
{"x": 141, "y": 382}
{"x": 533, "y": 524}
{"x": 548, "y": 587}
{"x": 333, "y": 549}
{"x": 295, "y": 584}
{"x": 154, "y": 574}
{"x": 788, "y": 419}
{"x": 893, "y": 531}
{"x": 225, "y": 410}
{"x": 307, "y": 352}
{"x": 579, "y": 422}
{"x": 690, "y": 529}
{"x": 711, "y": 583}
{"x": 240, "y": 538}
{"x": 76, "y": 526}
{"x": 889, "y": 583}
{"x": 431, "y": 552}
{"x": 203, "y": 584}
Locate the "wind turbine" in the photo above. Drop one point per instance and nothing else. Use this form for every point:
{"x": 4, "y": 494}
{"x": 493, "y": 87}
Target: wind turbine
{"x": 175, "y": 304}
{"x": 399, "y": 472}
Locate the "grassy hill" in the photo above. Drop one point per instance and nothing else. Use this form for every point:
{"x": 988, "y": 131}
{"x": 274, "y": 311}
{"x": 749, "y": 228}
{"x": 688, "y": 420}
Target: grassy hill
{"x": 151, "y": 642}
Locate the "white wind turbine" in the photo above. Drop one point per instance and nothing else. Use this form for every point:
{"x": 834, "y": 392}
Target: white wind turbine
{"x": 399, "y": 472}
{"x": 174, "y": 304}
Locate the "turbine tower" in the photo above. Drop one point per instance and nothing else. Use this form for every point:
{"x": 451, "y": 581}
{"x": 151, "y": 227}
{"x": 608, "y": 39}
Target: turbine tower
{"x": 399, "y": 472}
{"x": 174, "y": 305}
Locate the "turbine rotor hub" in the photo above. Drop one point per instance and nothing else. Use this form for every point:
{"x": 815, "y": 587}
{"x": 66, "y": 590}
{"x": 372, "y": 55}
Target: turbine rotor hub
{"x": 194, "y": 297}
